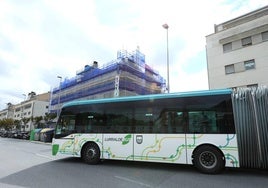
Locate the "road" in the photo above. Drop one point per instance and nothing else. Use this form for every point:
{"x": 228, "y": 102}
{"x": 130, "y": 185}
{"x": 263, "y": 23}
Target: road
{"x": 30, "y": 164}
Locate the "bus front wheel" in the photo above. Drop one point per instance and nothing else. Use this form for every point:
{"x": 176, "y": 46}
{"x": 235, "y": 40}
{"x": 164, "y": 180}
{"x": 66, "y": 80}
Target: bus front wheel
{"x": 208, "y": 159}
{"x": 91, "y": 153}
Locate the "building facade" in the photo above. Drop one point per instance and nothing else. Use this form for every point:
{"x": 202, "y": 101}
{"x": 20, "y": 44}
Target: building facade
{"x": 127, "y": 75}
{"x": 26, "y": 111}
{"x": 237, "y": 52}
{"x": 8, "y": 112}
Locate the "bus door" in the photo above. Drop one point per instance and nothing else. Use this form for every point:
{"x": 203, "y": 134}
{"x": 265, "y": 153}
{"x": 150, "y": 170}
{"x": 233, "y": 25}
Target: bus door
{"x": 118, "y": 141}
{"x": 164, "y": 141}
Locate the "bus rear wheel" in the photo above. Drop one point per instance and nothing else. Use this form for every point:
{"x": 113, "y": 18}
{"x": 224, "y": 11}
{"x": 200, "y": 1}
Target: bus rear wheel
{"x": 91, "y": 153}
{"x": 209, "y": 160}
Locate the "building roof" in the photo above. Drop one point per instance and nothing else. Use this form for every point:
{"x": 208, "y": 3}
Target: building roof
{"x": 242, "y": 19}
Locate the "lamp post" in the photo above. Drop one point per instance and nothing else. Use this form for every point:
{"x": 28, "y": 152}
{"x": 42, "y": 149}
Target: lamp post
{"x": 165, "y": 26}
{"x": 58, "y": 110}
{"x": 24, "y": 99}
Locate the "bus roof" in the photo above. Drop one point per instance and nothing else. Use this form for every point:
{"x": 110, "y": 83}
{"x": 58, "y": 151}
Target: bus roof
{"x": 150, "y": 97}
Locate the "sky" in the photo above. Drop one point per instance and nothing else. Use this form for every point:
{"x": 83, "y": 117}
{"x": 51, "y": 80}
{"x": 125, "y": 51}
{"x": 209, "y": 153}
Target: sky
{"x": 43, "y": 39}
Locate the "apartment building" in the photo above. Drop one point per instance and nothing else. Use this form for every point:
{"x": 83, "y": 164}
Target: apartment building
{"x": 8, "y": 112}
{"x": 33, "y": 106}
{"x": 237, "y": 52}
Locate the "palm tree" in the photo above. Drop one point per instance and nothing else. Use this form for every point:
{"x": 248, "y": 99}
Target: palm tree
{"x": 37, "y": 120}
{"x": 49, "y": 117}
{"x": 17, "y": 124}
{"x": 31, "y": 94}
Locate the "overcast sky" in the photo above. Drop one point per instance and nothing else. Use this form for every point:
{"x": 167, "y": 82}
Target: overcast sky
{"x": 43, "y": 39}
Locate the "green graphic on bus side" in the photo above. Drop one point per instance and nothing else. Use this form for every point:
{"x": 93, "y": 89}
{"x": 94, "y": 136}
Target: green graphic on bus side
{"x": 126, "y": 139}
{"x": 149, "y": 152}
{"x": 55, "y": 149}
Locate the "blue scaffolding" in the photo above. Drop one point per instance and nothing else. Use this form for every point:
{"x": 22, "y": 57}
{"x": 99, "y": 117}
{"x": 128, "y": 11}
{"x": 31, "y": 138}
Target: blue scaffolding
{"x": 130, "y": 63}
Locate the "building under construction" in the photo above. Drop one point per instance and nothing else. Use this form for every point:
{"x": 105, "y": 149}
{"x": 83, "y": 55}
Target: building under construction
{"x": 127, "y": 75}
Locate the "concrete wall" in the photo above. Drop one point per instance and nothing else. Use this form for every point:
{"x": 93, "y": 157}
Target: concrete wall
{"x": 217, "y": 59}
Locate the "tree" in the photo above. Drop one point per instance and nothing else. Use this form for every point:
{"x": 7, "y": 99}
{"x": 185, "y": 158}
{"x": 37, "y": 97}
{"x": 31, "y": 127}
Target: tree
{"x": 7, "y": 123}
{"x": 31, "y": 94}
{"x": 25, "y": 120}
{"x": 17, "y": 124}
{"x": 37, "y": 120}
{"x": 49, "y": 117}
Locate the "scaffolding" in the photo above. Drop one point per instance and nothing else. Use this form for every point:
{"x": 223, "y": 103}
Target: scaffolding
{"x": 127, "y": 75}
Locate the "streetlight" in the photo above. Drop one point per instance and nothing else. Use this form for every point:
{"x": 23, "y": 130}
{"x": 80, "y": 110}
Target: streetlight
{"x": 24, "y": 97}
{"x": 165, "y": 26}
{"x": 58, "y": 110}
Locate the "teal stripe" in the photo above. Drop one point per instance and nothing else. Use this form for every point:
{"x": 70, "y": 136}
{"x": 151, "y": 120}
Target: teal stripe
{"x": 150, "y": 97}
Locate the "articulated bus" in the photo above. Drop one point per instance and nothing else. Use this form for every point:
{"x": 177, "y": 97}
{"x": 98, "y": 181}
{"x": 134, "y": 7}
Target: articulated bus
{"x": 196, "y": 128}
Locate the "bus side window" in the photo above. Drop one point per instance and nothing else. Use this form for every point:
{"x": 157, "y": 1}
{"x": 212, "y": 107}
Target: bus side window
{"x": 180, "y": 121}
{"x": 203, "y": 122}
{"x": 197, "y": 122}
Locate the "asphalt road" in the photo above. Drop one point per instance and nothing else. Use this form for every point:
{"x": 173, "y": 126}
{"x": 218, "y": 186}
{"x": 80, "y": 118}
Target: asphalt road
{"x": 30, "y": 164}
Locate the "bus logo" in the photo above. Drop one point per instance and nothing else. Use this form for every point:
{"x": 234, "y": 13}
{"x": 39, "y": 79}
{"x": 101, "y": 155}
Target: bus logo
{"x": 126, "y": 139}
{"x": 139, "y": 139}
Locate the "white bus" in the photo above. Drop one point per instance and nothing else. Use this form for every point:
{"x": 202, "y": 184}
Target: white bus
{"x": 182, "y": 128}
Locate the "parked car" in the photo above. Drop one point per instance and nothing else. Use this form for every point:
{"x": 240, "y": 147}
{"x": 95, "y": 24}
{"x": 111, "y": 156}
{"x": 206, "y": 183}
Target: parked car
{"x": 25, "y": 135}
{"x": 3, "y": 133}
{"x": 11, "y": 134}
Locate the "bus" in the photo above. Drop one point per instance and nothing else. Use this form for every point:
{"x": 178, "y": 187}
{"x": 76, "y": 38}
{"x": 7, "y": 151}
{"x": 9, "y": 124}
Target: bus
{"x": 197, "y": 128}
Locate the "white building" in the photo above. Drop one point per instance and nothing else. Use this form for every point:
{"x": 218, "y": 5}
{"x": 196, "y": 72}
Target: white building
{"x": 7, "y": 112}
{"x": 34, "y": 106}
{"x": 237, "y": 52}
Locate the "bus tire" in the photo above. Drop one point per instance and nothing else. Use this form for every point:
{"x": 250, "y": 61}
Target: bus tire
{"x": 209, "y": 160}
{"x": 91, "y": 153}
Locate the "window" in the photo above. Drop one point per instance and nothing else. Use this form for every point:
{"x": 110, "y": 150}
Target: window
{"x": 229, "y": 69}
{"x": 246, "y": 41}
{"x": 249, "y": 64}
{"x": 27, "y": 106}
{"x": 264, "y": 36}
{"x": 204, "y": 114}
{"x": 227, "y": 47}
{"x": 202, "y": 122}
{"x": 210, "y": 115}
{"x": 66, "y": 125}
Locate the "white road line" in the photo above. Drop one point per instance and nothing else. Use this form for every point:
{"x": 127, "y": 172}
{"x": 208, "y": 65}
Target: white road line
{"x": 132, "y": 181}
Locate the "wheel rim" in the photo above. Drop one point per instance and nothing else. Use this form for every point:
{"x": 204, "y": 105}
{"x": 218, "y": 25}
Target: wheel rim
{"x": 208, "y": 159}
{"x": 91, "y": 153}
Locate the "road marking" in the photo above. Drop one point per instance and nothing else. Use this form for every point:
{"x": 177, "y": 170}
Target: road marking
{"x": 132, "y": 181}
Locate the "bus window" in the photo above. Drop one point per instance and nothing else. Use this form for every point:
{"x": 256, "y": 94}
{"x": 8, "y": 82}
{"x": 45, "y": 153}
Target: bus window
{"x": 143, "y": 120}
{"x": 225, "y": 122}
{"x": 202, "y": 122}
{"x": 170, "y": 121}
{"x": 117, "y": 118}
{"x": 65, "y": 125}
{"x": 179, "y": 122}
